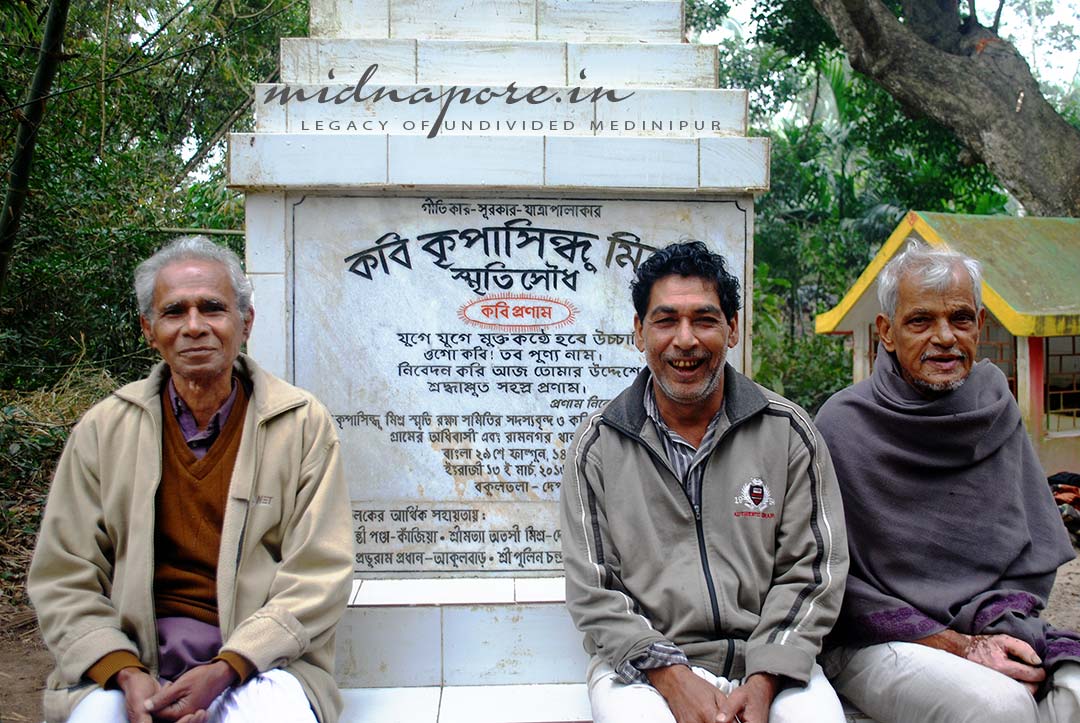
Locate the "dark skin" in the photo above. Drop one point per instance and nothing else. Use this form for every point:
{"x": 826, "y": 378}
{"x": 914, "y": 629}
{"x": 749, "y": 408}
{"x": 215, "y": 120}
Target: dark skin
{"x": 694, "y": 700}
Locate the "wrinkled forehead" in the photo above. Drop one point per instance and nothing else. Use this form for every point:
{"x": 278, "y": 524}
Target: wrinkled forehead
{"x": 193, "y": 280}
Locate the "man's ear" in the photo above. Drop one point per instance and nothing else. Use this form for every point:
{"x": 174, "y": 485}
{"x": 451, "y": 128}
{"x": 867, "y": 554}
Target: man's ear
{"x": 147, "y": 329}
{"x": 885, "y": 330}
{"x": 249, "y": 321}
{"x": 733, "y": 324}
{"x": 639, "y": 333}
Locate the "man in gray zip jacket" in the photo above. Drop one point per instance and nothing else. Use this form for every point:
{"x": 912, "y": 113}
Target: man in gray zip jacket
{"x": 703, "y": 533}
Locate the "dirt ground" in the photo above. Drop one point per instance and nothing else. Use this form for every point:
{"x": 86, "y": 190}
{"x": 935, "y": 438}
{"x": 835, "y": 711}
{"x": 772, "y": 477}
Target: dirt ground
{"x": 24, "y": 661}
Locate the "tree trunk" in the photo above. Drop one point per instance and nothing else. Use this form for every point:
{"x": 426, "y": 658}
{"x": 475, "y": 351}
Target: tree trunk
{"x": 30, "y": 116}
{"x": 973, "y": 82}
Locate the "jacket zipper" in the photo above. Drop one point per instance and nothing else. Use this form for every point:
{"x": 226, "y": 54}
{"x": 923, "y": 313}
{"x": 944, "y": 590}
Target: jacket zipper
{"x": 713, "y": 601}
{"x": 712, "y": 591}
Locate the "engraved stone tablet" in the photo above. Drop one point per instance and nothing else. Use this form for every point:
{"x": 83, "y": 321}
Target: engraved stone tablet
{"x": 458, "y": 342}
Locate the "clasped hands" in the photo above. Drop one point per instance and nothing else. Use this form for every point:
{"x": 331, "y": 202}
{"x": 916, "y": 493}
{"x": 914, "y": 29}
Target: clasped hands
{"x": 695, "y": 700}
{"x": 184, "y": 700}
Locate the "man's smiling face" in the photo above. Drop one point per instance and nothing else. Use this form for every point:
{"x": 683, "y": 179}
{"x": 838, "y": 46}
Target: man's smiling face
{"x": 934, "y": 334}
{"x": 685, "y": 337}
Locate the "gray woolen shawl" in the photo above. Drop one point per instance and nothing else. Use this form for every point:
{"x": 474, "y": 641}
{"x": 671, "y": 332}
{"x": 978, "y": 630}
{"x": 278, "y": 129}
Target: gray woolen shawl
{"x": 951, "y": 523}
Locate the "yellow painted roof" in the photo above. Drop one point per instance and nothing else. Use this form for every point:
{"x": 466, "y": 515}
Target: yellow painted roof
{"x": 1031, "y": 269}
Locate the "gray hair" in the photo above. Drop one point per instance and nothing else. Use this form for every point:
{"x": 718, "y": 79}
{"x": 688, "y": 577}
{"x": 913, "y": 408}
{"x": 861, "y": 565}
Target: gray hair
{"x": 934, "y": 268}
{"x": 188, "y": 248}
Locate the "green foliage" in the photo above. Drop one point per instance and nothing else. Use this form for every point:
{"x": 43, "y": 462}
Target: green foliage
{"x": 794, "y": 27}
{"x": 704, "y": 15}
{"x": 770, "y": 77}
{"x": 144, "y": 92}
{"x": 807, "y": 368}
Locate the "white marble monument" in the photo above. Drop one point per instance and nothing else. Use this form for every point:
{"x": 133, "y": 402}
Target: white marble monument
{"x": 446, "y": 201}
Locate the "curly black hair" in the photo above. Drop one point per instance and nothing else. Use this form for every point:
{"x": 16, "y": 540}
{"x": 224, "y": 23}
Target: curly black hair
{"x": 688, "y": 258}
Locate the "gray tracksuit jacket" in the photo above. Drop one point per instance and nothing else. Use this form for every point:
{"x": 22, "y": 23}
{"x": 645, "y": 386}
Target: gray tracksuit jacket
{"x": 749, "y": 583}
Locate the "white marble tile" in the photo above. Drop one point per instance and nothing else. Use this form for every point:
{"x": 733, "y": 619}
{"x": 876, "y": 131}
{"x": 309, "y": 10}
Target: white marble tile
{"x": 641, "y": 65}
{"x": 539, "y": 589}
{"x": 306, "y": 60}
{"x": 621, "y": 162}
{"x": 312, "y": 160}
{"x": 511, "y": 644}
{"x": 466, "y": 160}
{"x": 389, "y": 647}
{"x": 269, "y": 341}
{"x": 350, "y": 18}
{"x": 391, "y": 705}
{"x": 269, "y": 116}
{"x": 610, "y": 21}
{"x": 461, "y": 19}
{"x": 299, "y": 60}
{"x": 673, "y": 113}
{"x": 356, "y": 585}
{"x": 735, "y": 163}
{"x": 490, "y": 62}
{"x": 264, "y": 231}
{"x": 515, "y": 704}
{"x": 322, "y": 18}
{"x": 436, "y": 591}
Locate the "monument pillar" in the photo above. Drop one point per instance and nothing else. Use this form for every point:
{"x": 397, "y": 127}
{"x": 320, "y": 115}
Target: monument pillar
{"x": 446, "y": 202}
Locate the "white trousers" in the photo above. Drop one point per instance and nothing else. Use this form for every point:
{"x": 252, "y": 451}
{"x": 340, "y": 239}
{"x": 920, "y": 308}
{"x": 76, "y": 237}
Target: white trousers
{"x": 268, "y": 697}
{"x": 613, "y": 701}
{"x": 911, "y": 683}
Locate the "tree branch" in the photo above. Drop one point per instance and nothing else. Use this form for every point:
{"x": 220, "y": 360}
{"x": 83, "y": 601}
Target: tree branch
{"x": 48, "y": 62}
{"x": 973, "y": 83}
{"x": 997, "y": 17}
{"x": 220, "y": 132}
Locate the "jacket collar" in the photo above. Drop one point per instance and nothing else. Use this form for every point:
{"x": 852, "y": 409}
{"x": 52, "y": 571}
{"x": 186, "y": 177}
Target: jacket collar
{"x": 270, "y": 396}
{"x": 742, "y": 400}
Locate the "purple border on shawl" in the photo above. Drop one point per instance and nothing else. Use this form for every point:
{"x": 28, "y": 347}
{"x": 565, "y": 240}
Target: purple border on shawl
{"x": 1021, "y": 603}
{"x": 1061, "y": 645}
{"x": 904, "y": 623}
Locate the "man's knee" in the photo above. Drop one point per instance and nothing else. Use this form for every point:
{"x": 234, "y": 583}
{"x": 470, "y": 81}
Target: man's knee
{"x": 816, "y": 701}
{"x": 273, "y": 695}
{"x": 101, "y": 706}
{"x": 1008, "y": 703}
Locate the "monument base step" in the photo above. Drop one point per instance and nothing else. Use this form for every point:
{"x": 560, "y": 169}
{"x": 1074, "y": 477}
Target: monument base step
{"x": 557, "y": 703}
{"x": 552, "y": 703}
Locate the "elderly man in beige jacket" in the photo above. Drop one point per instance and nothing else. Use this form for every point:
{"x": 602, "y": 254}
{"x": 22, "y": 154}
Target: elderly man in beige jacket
{"x": 195, "y": 554}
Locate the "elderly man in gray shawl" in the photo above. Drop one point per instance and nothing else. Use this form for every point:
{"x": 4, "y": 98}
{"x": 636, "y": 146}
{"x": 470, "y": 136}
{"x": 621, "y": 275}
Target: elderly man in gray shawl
{"x": 953, "y": 533}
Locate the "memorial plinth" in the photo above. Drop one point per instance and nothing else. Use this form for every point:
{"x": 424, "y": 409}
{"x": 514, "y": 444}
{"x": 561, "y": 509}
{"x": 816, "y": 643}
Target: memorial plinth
{"x": 446, "y": 202}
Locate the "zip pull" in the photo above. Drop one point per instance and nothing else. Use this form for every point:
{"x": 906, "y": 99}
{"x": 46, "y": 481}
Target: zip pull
{"x": 697, "y": 513}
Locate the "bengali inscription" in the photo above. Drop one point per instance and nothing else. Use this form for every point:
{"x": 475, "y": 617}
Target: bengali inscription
{"x": 459, "y": 343}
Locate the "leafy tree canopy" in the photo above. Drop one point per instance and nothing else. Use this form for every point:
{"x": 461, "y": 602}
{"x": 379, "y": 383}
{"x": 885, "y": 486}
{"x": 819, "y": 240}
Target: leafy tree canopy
{"x": 130, "y": 152}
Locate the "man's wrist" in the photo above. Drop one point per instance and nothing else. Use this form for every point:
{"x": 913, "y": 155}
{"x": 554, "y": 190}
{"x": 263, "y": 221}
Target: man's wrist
{"x": 664, "y": 678}
{"x": 948, "y": 640}
{"x": 125, "y": 676}
{"x": 225, "y": 672}
{"x": 770, "y": 681}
